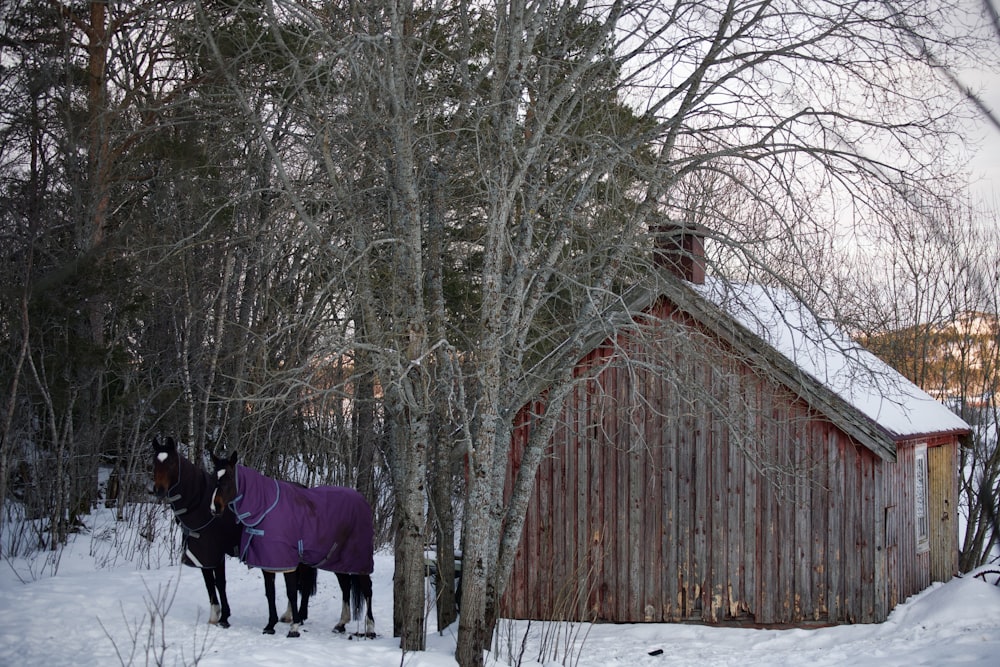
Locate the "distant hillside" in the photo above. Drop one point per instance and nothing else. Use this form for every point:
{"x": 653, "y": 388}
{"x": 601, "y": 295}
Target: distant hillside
{"x": 953, "y": 359}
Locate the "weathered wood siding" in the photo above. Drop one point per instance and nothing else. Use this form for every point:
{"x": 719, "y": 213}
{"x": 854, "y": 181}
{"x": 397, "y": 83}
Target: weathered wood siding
{"x": 909, "y": 571}
{"x": 734, "y": 503}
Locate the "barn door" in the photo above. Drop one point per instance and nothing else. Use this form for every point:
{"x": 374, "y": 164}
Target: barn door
{"x": 942, "y": 488}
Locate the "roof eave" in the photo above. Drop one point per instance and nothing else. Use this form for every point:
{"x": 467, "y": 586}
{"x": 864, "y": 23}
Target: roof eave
{"x": 842, "y": 414}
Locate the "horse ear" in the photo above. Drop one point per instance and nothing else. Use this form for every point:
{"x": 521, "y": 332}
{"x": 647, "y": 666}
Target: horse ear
{"x": 166, "y": 447}
{"x": 218, "y": 462}
{"x": 233, "y": 457}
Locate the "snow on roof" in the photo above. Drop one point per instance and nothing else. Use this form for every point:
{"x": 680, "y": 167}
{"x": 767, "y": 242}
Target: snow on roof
{"x": 823, "y": 351}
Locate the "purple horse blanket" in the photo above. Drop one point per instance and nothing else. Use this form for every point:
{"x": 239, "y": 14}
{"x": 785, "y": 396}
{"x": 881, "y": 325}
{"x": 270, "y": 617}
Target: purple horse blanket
{"x": 328, "y": 527}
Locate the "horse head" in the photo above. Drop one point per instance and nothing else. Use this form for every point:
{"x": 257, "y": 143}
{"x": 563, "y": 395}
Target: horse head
{"x": 166, "y": 466}
{"x": 225, "y": 482}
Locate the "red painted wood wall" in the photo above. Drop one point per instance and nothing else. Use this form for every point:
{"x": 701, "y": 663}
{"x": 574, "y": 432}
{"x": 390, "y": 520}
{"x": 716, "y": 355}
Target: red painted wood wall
{"x": 734, "y": 502}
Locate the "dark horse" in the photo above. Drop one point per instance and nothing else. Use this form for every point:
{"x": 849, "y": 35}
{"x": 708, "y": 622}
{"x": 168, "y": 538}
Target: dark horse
{"x": 208, "y": 538}
{"x": 285, "y": 524}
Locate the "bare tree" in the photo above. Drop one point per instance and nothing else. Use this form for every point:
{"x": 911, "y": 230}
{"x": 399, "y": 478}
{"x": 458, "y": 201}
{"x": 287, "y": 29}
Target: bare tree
{"x": 927, "y": 302}
{"x": 72, "y": 115}
{"x": 426, "y": 209}
{"x": 555, "y": 134}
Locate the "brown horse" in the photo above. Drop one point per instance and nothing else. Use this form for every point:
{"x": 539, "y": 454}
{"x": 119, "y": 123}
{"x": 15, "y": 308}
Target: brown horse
{"x": 209, "y": 538}
{"x": 285, "y": 525}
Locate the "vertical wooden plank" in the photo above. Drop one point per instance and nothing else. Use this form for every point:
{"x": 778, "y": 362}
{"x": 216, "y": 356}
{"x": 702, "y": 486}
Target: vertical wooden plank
{"x": 620, "y": 518}
{"x": 819, "y": 502}
{"x": 568, "y": 521}
{"x": 702, "y": 481}
{"x": 638, "y": 550}
{"x": 685, "y": 511}
{"x": 599, "y": 476}
{"x": 585, "y": 510}
{"x": 632, "y": 584}
{"x": 545, "y": 488}
{"x": 802, "y": 600}
{"x": 583, "y": 565}
{"x": 909, "y": 564}
{"x": 767, "y": 572}
{"x": 528, "y": 540}
{"x": 786, "y": 531}
{"x": 566, "y": 548}
{"x": 835, "y": 554}
{"x": 904, "y": 514}
{"x": 734, "y": 524}
{"x": 652, "y": 427}
{"x": 718, "y": 550}
{"x": 890, "y": 494}
{"x": 852, "y": 579}
{"x": 669, "y": 486}
{"x": 529, "y": 545}
{"x": 752, "y": 527}
{"x": 610, "y": 483}
{"x": 881, "y": 588}
{"x": 866, "y": 564}
{"x": 869, "y": 590}
{"x": 849, "y": 582}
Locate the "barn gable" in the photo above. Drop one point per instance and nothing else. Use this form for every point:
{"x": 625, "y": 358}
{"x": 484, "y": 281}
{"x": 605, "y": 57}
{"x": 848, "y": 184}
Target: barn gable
{"x": 770, "y": 496}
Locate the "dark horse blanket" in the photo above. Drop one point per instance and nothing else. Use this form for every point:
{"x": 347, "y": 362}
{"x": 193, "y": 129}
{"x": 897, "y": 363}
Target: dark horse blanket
{"x": 329, "y": 527}
{"x": 208, "y": 539}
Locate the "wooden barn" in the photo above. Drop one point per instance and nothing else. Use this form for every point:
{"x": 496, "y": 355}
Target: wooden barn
{"x": 733, "y": 460}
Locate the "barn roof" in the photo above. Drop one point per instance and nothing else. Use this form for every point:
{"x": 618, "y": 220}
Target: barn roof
{"x": 852, "y": 387}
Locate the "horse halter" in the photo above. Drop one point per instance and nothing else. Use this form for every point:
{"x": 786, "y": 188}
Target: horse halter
{"x": 218, "y": 505}
{"x": 162, "y": 469}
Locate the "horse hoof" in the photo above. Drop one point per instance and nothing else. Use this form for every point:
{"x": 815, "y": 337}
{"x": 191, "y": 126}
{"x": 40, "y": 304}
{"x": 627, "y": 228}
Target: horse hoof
{"x": 294, "y": 634}
{"x": 223, "y": 624}
{"x": 268, "y": 631}
{"x": 339, "y": 628}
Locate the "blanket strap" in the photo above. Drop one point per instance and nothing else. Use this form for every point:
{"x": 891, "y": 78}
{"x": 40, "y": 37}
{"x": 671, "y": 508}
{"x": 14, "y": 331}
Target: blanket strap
{"x": 252, "y": 531}
{"x": 193, "y": 559}
{"x": 232, "y": 506}
{"x": 329, "y": 554}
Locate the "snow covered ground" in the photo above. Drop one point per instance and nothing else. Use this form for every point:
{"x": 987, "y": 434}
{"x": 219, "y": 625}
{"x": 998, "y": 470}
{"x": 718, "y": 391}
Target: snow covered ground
{"x": 114, "y": 601}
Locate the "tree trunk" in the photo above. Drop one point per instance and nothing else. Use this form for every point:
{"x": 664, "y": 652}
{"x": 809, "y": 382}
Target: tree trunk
{"x": 483, "y": 514}
{"x": 410, "y": 470}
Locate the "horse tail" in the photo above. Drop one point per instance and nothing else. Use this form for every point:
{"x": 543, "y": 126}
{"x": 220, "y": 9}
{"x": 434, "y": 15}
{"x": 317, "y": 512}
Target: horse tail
{"x": 361, "y": 585}
{"x": 307, "y": 579}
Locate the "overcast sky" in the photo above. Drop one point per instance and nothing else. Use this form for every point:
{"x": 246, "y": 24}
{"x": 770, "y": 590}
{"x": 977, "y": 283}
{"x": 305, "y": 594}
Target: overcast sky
{"x": 986, "y": 162}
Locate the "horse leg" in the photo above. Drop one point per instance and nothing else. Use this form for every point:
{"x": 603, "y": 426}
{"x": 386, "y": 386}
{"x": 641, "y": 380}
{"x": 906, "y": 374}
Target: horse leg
{"x": 208, "y": 574}
{"x": 272, "y": 612}
{"x": 356, "y": 590}
{"x": 365, "y": 582}
{"x": 220, "y": 586}
{"x": 307, "y": 588}
{"x": 292, "y": 591}
{"x": 307, "y": 577}
{"x": 345, "y": 593}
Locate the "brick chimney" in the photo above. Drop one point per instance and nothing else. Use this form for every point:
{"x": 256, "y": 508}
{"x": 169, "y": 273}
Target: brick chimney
{"x": 680, "y": 249}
